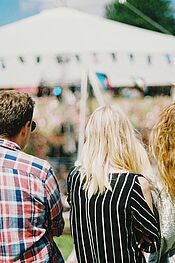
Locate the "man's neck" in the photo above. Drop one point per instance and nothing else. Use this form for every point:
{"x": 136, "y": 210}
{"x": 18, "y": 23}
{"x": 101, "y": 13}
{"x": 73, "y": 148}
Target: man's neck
{"x": 16, "y": 139}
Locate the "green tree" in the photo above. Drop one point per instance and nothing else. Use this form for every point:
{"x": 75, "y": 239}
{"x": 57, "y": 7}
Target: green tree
{"x": 160, "y": 11}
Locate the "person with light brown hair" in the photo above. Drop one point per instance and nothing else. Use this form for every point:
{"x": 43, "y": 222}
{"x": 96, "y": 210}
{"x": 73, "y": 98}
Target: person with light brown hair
{"x": 111, "y": 203}
{"x": 30, "y": 200}
{"x": 162, "y": 146}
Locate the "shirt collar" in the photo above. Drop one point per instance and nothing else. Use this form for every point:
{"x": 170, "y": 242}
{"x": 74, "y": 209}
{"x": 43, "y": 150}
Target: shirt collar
{"x": 9, "y": 144}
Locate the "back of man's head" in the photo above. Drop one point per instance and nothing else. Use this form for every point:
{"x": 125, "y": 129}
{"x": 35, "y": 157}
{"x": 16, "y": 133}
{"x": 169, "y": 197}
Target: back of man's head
{"x": 16, "y": 108}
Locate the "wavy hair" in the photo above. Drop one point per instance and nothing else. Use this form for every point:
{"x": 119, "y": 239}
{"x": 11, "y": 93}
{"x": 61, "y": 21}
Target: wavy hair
{"x": 110, "y": 140}
{"x": 162, "y": 146}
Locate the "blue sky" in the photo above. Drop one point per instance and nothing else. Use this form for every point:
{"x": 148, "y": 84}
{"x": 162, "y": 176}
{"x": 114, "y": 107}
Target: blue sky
{"x": 12, "y": 10}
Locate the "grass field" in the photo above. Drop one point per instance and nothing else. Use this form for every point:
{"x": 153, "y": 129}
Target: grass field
{"x": 65, "y": 244}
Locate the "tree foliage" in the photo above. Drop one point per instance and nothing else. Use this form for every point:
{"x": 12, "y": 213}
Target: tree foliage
{"x": 160, "y": 11}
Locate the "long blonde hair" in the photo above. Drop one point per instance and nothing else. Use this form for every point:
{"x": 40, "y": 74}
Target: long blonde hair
{"x": 110, "y": 140}
{"x": 162, "y": 145}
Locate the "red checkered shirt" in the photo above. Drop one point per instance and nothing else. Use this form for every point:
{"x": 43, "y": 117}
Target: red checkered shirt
{"x": 30, "y": 207}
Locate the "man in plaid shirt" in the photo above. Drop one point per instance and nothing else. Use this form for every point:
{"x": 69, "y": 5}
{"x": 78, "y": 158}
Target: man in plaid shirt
{"x": 30, "y": 203}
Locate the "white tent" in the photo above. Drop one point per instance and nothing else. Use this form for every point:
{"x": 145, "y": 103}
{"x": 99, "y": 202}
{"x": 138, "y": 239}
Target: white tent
{"x": 64, "y": 30}
{"x": 80, "y": 39}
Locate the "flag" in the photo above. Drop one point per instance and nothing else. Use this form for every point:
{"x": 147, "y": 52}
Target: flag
{"x": 104, "y": 81}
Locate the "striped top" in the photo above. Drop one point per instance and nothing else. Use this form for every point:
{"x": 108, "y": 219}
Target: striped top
{"x": 106, "y": 227}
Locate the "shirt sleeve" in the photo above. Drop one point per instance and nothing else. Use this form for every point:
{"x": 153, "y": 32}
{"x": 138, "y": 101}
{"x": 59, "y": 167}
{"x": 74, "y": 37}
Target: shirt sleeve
{"x": 54, "y": 204}
{"x": 144, "y": 220}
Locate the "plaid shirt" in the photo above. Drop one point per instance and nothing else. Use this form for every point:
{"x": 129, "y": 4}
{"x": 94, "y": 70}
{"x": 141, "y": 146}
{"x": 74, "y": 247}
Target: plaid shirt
{"x": 30, "y": 207}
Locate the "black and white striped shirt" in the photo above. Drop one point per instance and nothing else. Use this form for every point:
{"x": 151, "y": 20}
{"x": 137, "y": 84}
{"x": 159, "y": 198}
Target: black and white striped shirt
{"x": 105, "y": 228}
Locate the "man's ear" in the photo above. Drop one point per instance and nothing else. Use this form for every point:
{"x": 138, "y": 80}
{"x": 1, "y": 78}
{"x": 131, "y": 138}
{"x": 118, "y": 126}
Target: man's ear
{"x": 25, "y": 128}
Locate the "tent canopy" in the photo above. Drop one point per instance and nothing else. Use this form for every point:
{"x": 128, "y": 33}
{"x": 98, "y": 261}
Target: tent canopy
{"x": 64, "y": 30}
{"x": 56, "y": 44}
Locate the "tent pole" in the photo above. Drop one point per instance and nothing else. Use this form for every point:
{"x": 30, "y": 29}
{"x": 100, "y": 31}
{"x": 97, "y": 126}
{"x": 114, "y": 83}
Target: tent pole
{"x": 82, "y": 120}
{"x": 97, "y": 91}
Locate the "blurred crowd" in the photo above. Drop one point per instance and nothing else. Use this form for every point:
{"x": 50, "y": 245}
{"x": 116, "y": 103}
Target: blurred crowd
{"x": 57, "y": 118}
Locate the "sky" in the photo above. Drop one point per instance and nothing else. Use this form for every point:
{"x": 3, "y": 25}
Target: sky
{"x": 12, "y": 10}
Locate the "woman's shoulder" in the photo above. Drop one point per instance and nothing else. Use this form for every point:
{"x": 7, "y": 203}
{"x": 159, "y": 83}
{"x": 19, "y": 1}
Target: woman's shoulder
{"x": 140, "y": 183}
{"x": 144, "y": 183}
{"x": 145, "y": 190}
{"x": 74, "y": 171}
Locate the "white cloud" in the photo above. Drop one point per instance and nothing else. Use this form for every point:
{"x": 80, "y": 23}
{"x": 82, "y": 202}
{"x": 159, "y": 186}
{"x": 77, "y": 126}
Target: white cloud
{"x": 38, "y": 4}
{"x": 90, "y": 6}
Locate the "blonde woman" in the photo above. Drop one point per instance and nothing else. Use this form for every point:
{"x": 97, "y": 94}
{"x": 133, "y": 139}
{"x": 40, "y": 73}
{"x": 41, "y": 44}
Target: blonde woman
{"x": 162, "y": 145}
{"x": 111, "y": 205}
